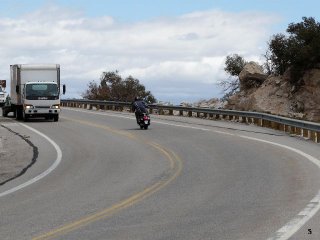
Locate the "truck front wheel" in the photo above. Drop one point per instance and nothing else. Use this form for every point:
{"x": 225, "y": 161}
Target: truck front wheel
{"x": 56, "y": 118}
{"x": 25, "y": 117}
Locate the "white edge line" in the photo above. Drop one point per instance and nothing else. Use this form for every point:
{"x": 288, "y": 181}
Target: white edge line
{"x": 294, "y": 224}
{"x": 45, "y": 173}
{"x": 308, "y": 212}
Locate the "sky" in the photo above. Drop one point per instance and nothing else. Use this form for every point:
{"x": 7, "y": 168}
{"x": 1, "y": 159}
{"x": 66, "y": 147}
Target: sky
{"x": 176, "y": 48}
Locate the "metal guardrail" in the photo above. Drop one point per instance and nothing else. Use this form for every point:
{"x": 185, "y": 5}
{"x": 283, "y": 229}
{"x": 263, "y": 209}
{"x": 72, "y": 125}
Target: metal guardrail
{"x": 306, "y": 129}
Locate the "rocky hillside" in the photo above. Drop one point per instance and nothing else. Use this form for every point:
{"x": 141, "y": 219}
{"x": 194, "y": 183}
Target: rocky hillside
{"x": 275, "y": 95}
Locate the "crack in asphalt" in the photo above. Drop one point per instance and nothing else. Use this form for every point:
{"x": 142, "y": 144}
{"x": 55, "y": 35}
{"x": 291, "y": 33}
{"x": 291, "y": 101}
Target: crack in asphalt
{"x": 34, "y": 157}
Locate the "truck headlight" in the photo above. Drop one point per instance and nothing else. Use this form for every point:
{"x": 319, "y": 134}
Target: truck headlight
{"x": 28, "y": 106}
{"x": 56, "y": 106}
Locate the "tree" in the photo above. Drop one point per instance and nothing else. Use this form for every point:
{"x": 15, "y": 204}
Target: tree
{"x": 297, "y": 52}
{"x": 113, "y": 88}
{"x": 279, "y": 54}
{"x": 233, "y": 66}
{"x": 92, "y": 92}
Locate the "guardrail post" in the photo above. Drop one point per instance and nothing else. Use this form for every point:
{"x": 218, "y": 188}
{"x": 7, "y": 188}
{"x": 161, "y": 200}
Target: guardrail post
{"x": 305, "y": 133}
{"x": 297, "y": 131}
{"x": 309, "y": 134}
{"x": 260, "y": 122}
{"x": 292, "y": 130}
{"x": 317, "y": 137}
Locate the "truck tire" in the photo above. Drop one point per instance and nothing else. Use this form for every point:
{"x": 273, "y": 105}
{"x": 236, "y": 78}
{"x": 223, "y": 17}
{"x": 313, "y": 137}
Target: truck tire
{"x": 4, "y": 112}
{"x": 25, "y": 117}
{"x": 19, "y": 113}
{"x": 56, "y": 118}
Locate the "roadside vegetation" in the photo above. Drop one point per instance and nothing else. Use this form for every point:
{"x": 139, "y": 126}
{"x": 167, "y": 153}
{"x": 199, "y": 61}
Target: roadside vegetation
{"x": 112, "y": 87}
{"x": 292, "y": 53}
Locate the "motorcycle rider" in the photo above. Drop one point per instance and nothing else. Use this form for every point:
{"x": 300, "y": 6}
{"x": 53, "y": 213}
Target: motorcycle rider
{"x": 139, "y": 107}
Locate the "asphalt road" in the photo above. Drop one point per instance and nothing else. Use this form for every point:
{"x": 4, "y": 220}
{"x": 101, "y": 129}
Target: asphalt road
{"x": 184, "y": 178}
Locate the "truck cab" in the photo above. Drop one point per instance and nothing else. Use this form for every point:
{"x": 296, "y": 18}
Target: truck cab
{"x": 41, "y": 99}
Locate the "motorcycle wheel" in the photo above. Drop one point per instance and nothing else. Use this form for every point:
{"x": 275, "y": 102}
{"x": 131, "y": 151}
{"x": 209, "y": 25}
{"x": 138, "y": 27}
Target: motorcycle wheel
{"x": 146, "y": 127}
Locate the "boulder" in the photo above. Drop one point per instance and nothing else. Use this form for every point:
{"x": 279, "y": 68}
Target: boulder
{"x": 277, "y": 96}
{"x": 252, "y": 76}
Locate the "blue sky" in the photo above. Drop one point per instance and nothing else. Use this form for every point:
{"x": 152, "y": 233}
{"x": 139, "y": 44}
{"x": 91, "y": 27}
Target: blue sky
{"x": 176, "y": 48}
{"x": 135, "y": 10}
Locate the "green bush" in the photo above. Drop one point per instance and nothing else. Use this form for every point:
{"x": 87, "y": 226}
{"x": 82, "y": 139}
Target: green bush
{"x": 298, "y": 51}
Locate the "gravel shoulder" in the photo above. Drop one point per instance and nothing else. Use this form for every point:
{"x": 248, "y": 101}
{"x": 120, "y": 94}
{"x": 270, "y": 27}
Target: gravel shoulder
{"x": 17, "y": 153}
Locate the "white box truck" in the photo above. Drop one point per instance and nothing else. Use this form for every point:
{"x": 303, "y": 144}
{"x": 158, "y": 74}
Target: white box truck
{"x": 35, "y": 91}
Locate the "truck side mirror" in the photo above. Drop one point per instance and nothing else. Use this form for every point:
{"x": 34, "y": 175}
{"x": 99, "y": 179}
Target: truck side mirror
{"x": 17, "y": 89}
{"x": 64, "y": 89}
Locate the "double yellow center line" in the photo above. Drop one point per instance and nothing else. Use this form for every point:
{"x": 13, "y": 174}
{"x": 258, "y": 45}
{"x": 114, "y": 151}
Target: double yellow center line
{"x": 175, "y": 170}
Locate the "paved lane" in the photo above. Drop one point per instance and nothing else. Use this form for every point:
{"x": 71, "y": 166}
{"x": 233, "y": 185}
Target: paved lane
{"x": 198, "y": 180}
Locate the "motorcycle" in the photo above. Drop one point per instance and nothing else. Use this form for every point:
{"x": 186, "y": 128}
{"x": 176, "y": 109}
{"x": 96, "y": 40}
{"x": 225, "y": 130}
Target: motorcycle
{"x": 144, "y": 121}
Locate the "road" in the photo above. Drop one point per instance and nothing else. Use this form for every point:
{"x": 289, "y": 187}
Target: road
{"x": 184, "y": 178}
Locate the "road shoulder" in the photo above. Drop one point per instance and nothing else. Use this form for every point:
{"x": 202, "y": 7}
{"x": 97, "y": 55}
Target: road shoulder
{"x": 17, "y": 153}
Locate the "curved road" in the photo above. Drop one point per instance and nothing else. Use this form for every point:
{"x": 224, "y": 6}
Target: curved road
{"x": 184, "y": 178}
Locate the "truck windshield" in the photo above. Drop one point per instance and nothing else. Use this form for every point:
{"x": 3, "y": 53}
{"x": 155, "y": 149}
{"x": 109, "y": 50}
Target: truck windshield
{"x": 42, "y": 91}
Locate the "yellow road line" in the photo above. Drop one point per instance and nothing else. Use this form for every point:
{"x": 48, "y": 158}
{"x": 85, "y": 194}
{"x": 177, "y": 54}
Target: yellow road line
{"x": 175, "y": 169}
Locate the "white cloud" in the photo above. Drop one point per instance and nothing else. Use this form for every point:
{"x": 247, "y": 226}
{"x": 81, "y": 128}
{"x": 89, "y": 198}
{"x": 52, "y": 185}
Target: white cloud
{"x": 184, "y": 54}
